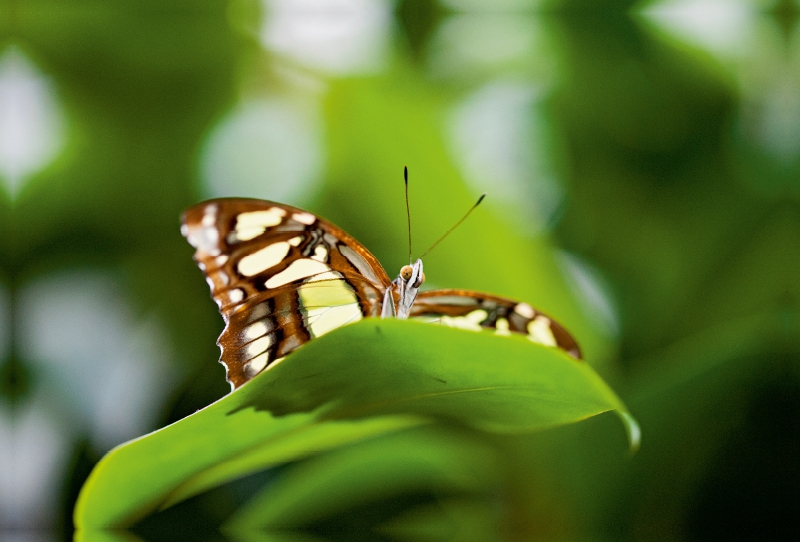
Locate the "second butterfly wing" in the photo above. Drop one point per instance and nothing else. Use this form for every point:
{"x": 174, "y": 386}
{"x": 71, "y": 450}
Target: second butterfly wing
{"x": 475, "y": 310}
{"x": 280, "y": 276}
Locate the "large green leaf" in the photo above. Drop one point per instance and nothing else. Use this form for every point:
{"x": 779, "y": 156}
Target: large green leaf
{"x": 366, "y": 379}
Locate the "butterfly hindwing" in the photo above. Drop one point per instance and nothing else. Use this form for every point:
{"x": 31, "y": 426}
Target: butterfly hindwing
{"x": 280, "y": 276}
{"x": 475, "y": 310}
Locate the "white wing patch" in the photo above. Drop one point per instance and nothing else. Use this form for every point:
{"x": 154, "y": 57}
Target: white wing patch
{"x": 261, "y": 260}
{"x": 256, "y": 365}
{"x": 471, "y": 321}
{"x": 304, "y": 218}
{"x": 501, "y": 327}
{"x": 251, "y": 225}
{"x": 523, "y": 309}
{"x": 298, "y": 269}
{"x": 324, "y": 319}
{"x": 320, "y": 253}
{"x": 236, "y": 295}
{"x": 205, "y": 237}
{"x": 256, "y": 330}
{"x": 328, "y": 303}
{"x": 259, "y": 346}
{"x": 539, "y": 331}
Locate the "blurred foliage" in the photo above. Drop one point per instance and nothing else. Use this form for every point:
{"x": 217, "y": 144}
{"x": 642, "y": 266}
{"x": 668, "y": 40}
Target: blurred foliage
{"x": 672, "y": 198}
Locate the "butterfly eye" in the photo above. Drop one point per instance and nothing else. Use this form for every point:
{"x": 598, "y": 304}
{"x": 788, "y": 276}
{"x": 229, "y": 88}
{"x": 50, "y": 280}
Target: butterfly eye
{"x": 406, "y": 271}
{"x": 420, "y": 281}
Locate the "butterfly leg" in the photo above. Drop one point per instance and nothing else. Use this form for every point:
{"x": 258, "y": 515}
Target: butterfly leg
{"x": 388, "y": 310}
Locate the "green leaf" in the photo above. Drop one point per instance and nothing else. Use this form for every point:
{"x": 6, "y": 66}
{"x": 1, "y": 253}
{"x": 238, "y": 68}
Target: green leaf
{"x": 373, "y": 377}
{"x": 358, "y": 477}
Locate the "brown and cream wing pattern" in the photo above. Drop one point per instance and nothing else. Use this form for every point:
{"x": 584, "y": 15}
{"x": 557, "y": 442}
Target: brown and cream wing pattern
{"x": 475, "y": 310}
{"x": 280, "y": 276}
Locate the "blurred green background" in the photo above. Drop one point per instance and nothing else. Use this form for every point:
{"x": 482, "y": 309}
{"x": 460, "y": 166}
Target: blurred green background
{"x": 642, "y": 164}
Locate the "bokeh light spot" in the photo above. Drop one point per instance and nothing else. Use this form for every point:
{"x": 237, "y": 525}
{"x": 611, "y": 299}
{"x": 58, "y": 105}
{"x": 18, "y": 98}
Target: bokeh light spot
{"x": 269, "y": 149}
{"x": 112, "y": 369}
{"x": 466, "y": 45}
{"x": 5, "y": 323}
{"x": 31, "y": 126}
{"x": 495, "y": 140}
{"x": 32, "y": 454}
{"x": 723, "y": 27}
{"x": 337, "y": 36}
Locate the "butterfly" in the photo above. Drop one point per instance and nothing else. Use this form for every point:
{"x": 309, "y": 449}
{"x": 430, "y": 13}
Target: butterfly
{"x": 282, "y": 276}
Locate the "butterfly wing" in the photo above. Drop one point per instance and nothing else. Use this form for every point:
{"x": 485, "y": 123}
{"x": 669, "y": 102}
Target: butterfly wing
{"x": 475, "y": 310}
{"x": 280, "y": 276}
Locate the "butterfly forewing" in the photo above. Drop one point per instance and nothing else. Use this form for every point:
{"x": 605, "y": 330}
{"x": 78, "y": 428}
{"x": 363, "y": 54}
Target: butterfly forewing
{"x": 475, "y": 310}
{"x": 280, "y": 276}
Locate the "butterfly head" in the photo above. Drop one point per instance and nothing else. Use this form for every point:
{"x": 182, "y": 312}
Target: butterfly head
{"x": 405, "y": 287}
{"x": 412, "y": 275}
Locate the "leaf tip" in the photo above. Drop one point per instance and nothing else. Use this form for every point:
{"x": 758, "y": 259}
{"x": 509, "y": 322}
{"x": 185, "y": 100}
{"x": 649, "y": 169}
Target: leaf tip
{"x": 633, "y": 430}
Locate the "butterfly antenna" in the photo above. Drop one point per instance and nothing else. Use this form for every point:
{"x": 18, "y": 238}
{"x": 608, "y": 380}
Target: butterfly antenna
{"x": 408, "y": 213}
{"x": 480, "y": 199}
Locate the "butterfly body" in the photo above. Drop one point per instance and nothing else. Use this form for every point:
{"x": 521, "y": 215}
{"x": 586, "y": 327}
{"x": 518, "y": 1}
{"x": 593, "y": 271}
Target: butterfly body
{"x": 400, "y": 297}
{"x": 282, "y": 276}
